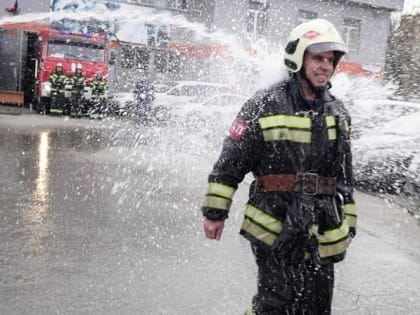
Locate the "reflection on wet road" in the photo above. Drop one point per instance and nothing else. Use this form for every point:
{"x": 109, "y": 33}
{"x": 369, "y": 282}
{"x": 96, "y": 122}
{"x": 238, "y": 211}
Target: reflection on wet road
{"x": 101, "y": 218}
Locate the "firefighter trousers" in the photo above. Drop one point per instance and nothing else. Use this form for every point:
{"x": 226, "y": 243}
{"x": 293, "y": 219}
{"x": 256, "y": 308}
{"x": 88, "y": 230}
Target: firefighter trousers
{"x": 290, "y": 289}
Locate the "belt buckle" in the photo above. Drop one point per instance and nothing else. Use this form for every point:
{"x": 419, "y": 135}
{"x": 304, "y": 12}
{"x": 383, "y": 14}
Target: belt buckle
{"x": 309, "y": 183}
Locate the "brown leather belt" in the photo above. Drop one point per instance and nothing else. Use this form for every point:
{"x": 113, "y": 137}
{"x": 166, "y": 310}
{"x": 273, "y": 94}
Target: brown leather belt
{"x": 306, "y": 183}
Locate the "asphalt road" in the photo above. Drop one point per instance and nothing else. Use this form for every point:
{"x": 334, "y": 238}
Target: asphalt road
{"x": 101, "y": 217}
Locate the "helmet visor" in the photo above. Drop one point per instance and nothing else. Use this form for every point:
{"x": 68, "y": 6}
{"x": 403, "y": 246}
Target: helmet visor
{"x": 322, "y": 47}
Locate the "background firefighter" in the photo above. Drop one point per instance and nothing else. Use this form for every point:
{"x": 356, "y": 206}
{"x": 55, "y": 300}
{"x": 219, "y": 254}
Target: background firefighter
{"x": 78, "y": 83}
{"x": 144, "y": 95}
{"x": 98, "y": 103}
{"x": 58, "y": 81}
{"x": 294, "y": 137}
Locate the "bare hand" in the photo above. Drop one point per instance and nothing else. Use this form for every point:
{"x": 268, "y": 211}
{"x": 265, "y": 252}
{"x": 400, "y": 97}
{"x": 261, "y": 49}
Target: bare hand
{"x": 213, "y": 229}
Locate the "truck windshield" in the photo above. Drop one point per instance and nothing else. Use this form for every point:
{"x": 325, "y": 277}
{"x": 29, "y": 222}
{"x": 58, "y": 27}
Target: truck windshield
{"x": 79, "y": 51}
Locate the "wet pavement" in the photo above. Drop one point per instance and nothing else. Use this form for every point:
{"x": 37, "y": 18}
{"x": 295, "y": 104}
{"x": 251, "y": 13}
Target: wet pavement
{"x": 101, "y": 217}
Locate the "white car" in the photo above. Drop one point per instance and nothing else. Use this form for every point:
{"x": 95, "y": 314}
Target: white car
{"x": 188, "y": 91}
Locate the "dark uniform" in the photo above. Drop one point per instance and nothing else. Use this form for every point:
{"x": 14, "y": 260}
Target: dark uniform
{"x": 58, "y": 81}
{"x": 144, "y": 94}
{"x": 78, "y": 83}
{"x": 99, "y": 87}
{"x": 301, "y": 215}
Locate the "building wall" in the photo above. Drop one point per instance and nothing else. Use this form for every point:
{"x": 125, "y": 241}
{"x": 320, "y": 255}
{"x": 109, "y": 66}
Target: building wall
{"x": 230, "y": 16}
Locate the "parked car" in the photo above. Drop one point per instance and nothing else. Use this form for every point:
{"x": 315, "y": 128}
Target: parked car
{"x": 387, "y": 160}
{"x": 186, "y": 91}
{"x": 370, "y": 114}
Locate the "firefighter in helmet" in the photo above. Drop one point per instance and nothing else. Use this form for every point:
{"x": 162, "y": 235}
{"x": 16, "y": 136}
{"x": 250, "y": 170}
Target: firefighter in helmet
{"x": 294, "y": 137}
{"x": 58, "y": 81}
{"x": 99, "y": 88}
{"x": 78, "y": 83}
{"x": 144, "y": 94}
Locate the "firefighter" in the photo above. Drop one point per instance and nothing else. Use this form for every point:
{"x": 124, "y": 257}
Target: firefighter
{"x": 58, "y": 81}
{"x": 294, "y": 137}
{"x": 78, "y": 83}
{"x": 99, "y": 88}
{"x": 144, "y": 95}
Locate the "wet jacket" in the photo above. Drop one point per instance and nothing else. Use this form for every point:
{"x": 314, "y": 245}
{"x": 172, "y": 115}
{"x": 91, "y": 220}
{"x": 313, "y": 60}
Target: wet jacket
{"x": 58, "y": 81}
{"x": 144, "y": 91}
{"x": 99, "y": 87}
{"x": 278, "y": 132}
{"x": 78, "y": 82}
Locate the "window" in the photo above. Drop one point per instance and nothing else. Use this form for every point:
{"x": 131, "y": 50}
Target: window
{"x": 352, "y": 34}
{"x": 73, "y": 50}
{"x": 257, "y": 18}
{"x": 304, "y": 16}
{"x": 177, "y": 4}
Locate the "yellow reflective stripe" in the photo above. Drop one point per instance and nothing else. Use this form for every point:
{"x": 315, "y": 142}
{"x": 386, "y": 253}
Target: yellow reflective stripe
{"x": 350, "y": 209}
{"x": 332, "y": 134}
{"x": 287, "y": 134}
{"x": 351, "y": 220}
{"x": 250, "y": 310}
{"x": 258, "y": 232}
{"x": 331, "y": 125}
{"x": 334, "y": 235}
{"x": 263, "y": 219}
{"x": 330, "y": 120}
{"x": 56, "y": 110}
{"x": 221, "y": 190}
{"x": 217, "y": 202}
{"x": 289, "y": 121}
{"x": 333, "y": 249}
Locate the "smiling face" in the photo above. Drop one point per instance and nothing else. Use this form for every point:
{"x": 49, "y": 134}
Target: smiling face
{"x": 319, "y": 67}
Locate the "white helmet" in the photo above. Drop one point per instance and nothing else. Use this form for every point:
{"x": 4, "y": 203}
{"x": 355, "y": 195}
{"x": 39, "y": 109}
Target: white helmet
{"x": 79, "y": 66}
{"x": 59, "y": 65}
{"x": 317, "y": 36}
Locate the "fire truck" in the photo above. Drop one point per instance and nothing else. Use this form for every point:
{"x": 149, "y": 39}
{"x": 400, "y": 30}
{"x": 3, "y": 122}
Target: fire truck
{"x": 29, "y": 54}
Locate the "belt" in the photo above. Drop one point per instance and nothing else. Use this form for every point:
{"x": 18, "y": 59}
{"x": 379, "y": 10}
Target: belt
{"x": 306, "y": 183}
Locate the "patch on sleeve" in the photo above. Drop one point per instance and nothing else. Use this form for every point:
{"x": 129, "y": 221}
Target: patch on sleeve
{"x": 238, "y": 129}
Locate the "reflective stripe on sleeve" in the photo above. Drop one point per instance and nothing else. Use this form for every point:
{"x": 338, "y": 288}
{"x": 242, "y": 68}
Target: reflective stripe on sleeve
{"x": 219, "y": 196}
{"x": 265, "y": 220}
{"x": 334, "y": 249}
{"x": 217, "y": 202}
{"x": 332, "y": 236}
{"x": 221, "y": 190}
{"x": 350, "y": 212}
{"x": 334, "y": 242}
{"x": 261, "y": 225}
{"x": 350, "y": 209}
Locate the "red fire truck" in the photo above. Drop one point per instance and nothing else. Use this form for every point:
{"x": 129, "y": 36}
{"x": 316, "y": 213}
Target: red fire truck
{"x": 29, "y": 53}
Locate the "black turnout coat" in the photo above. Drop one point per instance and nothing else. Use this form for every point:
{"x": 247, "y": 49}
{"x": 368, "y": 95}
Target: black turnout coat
{"x": 278, "y": 132}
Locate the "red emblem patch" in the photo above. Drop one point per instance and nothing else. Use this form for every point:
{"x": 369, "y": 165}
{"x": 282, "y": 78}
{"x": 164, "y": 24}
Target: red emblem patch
{"x": 238, "y": 129}
{"x": 311, "y": 34}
